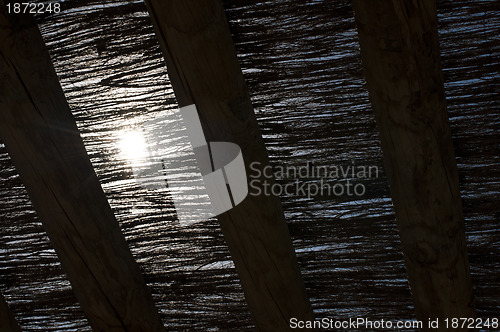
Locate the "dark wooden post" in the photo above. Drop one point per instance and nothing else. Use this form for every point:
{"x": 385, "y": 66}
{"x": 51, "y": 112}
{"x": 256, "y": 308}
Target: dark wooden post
{"x": 401, "y": 60}
{"x": 8, "y": 322}
{"x": 203, "y": 68}
{"x": 44, "y": 143}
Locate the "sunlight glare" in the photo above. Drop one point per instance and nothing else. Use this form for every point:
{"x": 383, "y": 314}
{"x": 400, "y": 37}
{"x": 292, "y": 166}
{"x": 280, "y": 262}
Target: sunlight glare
{"x": 133, "y": 146}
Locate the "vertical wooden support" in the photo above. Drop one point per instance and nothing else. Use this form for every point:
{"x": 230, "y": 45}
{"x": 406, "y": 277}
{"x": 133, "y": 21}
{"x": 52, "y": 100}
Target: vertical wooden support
{"x": 401, "y": 60}
{"x": 8, "y": 322}
{"x": 203, "y": 68}
{"x": 44, "y": 143}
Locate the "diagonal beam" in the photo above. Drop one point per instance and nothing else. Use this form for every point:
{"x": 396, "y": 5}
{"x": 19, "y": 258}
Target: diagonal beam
{"x": 202, "y": 65}
{"x": 401, "y": 60}
{"x": 8, "y": 322}
{"x": 44, "y": 143}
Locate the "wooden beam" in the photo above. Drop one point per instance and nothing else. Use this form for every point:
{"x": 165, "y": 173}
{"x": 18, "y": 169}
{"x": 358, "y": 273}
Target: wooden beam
{"x": 204, "y": 70}
{"x": 8, "y": 322}
{"x": 401, "y": 60}
{"x": 44, "y": 143}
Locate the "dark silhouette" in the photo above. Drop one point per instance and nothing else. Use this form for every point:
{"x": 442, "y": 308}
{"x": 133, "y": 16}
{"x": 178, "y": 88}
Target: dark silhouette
{"x": 44, "y": 143}
{"x": 203, "y": 68}
{"x": 8, "y": 322}
{"x": 401, "y": 60}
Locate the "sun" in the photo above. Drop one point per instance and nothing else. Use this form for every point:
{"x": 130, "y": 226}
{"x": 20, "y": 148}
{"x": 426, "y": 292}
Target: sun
{"x": 133, "y": 146}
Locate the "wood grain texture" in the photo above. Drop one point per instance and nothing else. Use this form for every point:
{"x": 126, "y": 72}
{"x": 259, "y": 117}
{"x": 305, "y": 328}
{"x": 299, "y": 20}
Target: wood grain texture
{"x": 44, "y": 143}
{"x": 8, "y": 322}
{"x": 401, "y": 60}
{"x": 202, "y": 65}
